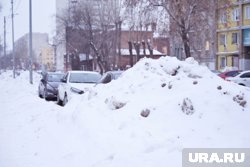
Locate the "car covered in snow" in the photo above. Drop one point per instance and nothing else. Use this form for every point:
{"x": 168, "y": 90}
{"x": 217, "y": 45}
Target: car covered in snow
{"x": 75, "y": 82}
{"x": 109, "y": 76}
{"x": 216, "y": 72}
{"x": 242, "y": 78}
{"x": 48, "y": 85}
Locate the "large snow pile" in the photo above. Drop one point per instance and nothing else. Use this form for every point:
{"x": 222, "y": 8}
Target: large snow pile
{"x": 159, "y": 107}
{"x": 145, "y": 118}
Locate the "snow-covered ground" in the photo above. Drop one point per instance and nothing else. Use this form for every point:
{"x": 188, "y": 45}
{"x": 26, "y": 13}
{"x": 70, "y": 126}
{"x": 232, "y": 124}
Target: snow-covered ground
{"x": 145, "y": 118}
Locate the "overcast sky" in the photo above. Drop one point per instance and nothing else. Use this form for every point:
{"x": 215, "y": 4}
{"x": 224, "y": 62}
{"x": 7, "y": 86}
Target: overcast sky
{"x": 43, "y": 18}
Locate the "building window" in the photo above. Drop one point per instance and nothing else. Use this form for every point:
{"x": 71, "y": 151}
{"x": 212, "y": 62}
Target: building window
{"x": 236, "y": 14}
{"x": 223, "y": 17}
{"x": 235, "y": 38}
{"x": 247, "y": 12}
{"x": 223, "y": 62}
{"x": 235, "y": 61}
{"x": 207, "y": 45}
{"x": 223, "y": 39}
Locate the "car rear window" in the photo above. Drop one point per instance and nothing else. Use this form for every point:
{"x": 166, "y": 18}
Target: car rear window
{"x": 232, "y": 73}
{"x": 84, "y": 77}
{"x": 246, "y": 75}
{"x": 55, "y": 77}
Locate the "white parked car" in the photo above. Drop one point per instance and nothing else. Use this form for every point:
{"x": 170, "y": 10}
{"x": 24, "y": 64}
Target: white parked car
{"x": 75, "y": 82}
{"x": 242, "y": 78}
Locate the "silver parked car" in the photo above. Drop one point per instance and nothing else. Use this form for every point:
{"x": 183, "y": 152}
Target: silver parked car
{"x": 242, "y": 78}
{"x": 109, "y": 76}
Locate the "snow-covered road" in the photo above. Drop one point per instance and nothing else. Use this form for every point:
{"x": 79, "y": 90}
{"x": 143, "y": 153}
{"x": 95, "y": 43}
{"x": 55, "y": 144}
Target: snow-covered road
{"x": 32, "y": 131}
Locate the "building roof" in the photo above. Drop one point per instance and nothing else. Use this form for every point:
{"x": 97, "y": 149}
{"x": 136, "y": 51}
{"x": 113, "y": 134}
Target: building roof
{"x": 126, "y": 52}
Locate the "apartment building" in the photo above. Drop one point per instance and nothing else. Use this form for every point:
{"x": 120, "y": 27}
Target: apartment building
{"x": 40, "y": 40}
{"x": 47, "y": 58}
{"x": 233, "y": 36}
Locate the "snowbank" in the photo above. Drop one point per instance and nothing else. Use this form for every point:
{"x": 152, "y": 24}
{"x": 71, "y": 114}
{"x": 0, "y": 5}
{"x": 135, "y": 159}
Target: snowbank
{"x": 159, "y": 107}
{"x": 145, "y": 118}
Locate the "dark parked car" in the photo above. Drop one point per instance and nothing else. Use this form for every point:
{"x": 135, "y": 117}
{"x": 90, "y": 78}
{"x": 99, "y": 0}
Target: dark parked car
{"x": 48, "y": 85}
{"x": 109, "y": 76}
{"x": 233, "y": 73}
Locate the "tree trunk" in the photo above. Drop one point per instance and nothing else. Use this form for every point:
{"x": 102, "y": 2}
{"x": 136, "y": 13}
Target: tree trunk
{"x": 130, "y": 53}
{"x": 186, "y": 43}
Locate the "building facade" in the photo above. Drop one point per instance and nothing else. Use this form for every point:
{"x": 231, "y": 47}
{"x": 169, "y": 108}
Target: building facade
{"x": 113, "y": 42}
{"x": 200, "y": 30}
{"x": 47, "y": 58}
{"x": 40, "y": 41}
{"x": 233, "y": 36}
{"x": 67, "y": 8}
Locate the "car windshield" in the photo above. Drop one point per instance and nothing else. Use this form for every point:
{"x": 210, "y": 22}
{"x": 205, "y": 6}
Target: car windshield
{"x": 55, "y": 77}
{"x": 84, "y": 77}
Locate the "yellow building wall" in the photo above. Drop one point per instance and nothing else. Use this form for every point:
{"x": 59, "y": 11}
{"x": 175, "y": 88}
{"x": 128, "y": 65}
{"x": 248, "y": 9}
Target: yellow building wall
{"x": 229, "y": 46}
{"x": 219, "y": 61}
{"x": 230, "y": 61}
{"x": 47, "y": 57}
{"x": 230, "y": 23}
{"x": 225, "y": 28}
{"x": 245, "y": 20}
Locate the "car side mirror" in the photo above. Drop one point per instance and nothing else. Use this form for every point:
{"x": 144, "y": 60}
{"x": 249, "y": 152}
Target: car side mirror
{"x": 63, "y": 80}
{"x": 43, "y": 80}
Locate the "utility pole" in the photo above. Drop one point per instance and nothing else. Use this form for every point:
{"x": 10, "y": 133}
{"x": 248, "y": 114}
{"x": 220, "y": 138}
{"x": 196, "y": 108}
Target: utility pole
{"x": 30, "y": 41}
{"x": 13, "y": 47}
{"x": 4, "y": 44}
{"x": 55, "y": 58}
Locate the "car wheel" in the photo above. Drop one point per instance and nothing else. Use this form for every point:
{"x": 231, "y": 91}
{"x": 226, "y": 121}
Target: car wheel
{"x": 65, "y": 100}
{"x": 58, "y": 100}
{"x": 241, "y": 84}
{"x": 39, "y": 94}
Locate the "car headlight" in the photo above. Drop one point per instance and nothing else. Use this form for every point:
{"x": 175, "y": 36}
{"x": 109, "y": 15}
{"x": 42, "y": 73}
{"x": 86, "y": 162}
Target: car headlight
{"x": 75, "y": 90}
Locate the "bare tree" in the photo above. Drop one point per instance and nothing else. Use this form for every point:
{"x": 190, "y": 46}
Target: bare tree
{"x": 184, "y": 16}
{"x": 187, "y": 18}
{"x": 76, "y": 28}
{"x": 90, "y": 23}
{"x": 21, "y": 50}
